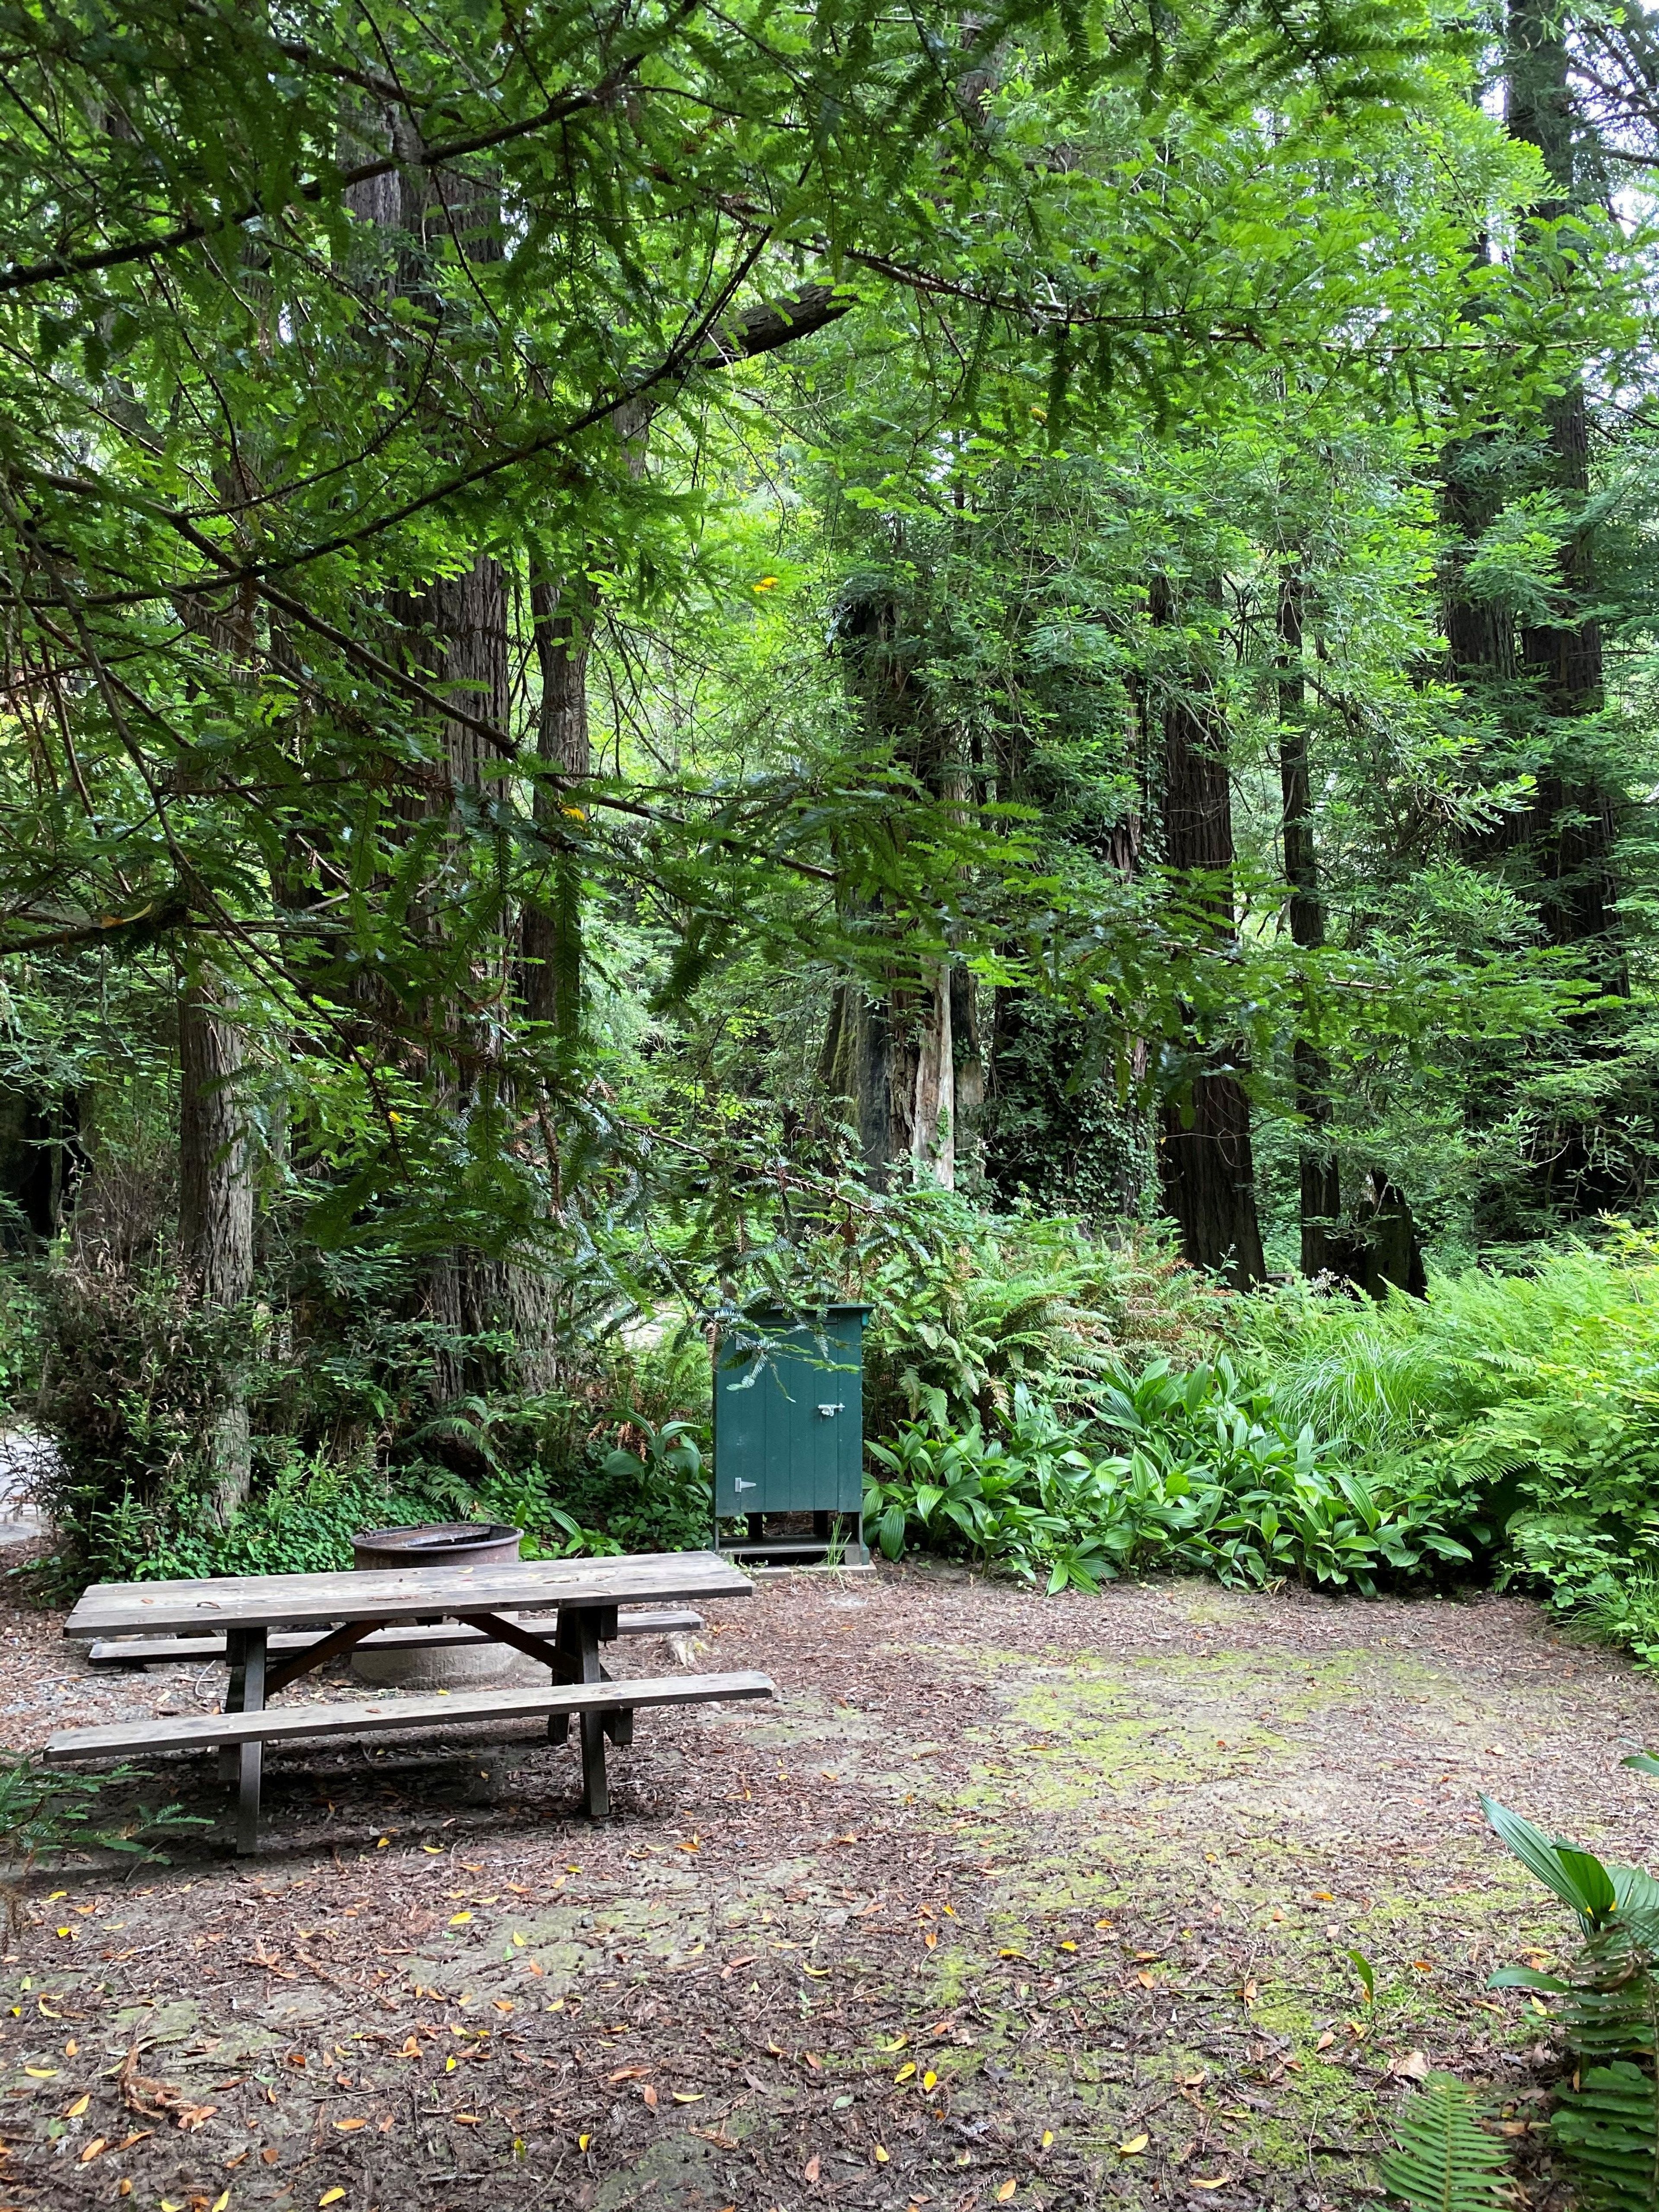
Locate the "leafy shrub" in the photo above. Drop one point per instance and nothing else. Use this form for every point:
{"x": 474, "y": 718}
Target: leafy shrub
{"x": 1206, "y": 1475}
{"x": 130, "y": 1393}
{"x": 22, "y": 1339}
{"x": 1536, "y": 1397}
{"x": 967, "y": 1305}
{"x": 1607, "y": 2119}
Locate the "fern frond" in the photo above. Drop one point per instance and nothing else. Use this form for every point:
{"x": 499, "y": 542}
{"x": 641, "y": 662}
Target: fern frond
{"x": 1607, "y": 2130}
{"x": 1443, "y": 2161}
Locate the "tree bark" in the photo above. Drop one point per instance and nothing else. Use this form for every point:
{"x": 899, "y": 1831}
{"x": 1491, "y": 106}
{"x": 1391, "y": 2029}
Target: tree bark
{"x": 889, "y": 1051}
{"x": 562, "y": 614}
{"x": 215, "y": 1206}
{"x": 1572, "y": 822}
{"x": 1319, "y": 1179}
{"x": 1206, "y": 1166}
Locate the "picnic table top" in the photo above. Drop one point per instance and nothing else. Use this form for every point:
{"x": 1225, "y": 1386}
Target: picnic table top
{"x": 400, "y": 1593}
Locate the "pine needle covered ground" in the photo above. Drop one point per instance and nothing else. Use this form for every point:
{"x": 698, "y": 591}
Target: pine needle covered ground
{"x": 1009, "y": 1901}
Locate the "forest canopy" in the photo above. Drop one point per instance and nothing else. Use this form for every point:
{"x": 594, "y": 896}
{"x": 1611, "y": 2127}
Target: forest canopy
{"x": 670, "y": 656}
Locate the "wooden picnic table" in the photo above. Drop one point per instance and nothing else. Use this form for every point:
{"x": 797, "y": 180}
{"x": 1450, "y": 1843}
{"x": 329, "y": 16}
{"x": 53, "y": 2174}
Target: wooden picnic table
{"x": 347, "y": 1607}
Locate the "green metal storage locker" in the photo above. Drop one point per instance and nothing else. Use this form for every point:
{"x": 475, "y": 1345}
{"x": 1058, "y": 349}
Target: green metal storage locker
{"x": 789, "y": 1426}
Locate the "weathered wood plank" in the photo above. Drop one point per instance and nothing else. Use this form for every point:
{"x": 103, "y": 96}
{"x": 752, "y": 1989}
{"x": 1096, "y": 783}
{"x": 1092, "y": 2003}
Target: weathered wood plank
{"x": 288, "y": 1724}
{"x": 292, "y": 1601}
{"x": 131, "y": 1650}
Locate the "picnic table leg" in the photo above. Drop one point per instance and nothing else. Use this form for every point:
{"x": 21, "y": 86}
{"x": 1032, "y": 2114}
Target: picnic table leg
{"x": 246, "y": 1651}
{"x": 236, "y": 1653}
{"x": 578, "y": 1637}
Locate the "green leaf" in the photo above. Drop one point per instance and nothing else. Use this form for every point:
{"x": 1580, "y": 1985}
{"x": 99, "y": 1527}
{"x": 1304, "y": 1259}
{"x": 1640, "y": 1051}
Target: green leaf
{"x": 1443, "y": 2159}
{"x": 1578, "y": 1878}
{"x": 1606, "y": 2129}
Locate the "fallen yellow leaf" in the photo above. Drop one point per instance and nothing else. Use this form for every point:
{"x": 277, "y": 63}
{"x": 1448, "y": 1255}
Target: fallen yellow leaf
{"x": 1220, "y": 2181}
{"x": 688, "y": 2096}
{"x": 517, "y": 1939}
{"x": 930, "y": 2079}
{"x": 905, "y": 2072}
{"x": 40, "y": 2073}
{"x": 328, "y": 2196}
{"x": 460, "y": 1919}
{"x": 1047, "y": 2138}
{"x": 881, "y": 2155}
{"x": 91, "y": 2150}
{"x": 1133, "y": 2148}
{"x": 220, "y": 2203}
{"x": 78, "y": 2107}
{"x": 349, "y": 2127}
{"x": 1007, "y": 2191}
{"x": 582, "y": 2141}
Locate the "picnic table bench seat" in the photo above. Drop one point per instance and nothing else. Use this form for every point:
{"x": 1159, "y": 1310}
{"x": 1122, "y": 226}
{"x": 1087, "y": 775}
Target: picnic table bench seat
{"x": 141, "y": 1650}
{"x": 369, "y": 1716}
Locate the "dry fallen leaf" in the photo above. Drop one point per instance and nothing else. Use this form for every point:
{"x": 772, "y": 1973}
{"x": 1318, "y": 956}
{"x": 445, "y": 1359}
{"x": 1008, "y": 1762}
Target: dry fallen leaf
{"x": 1133, "y": 2148}
{"x": 810, "y": 2171}
{"x": 78, "y": 2106}
{"x": 349, "y": 2127}
{"x": 1220, "y": 2181}
{"x": 649, "y": 2093}
{"x": 1007, "y": 2191}
{"x": 91, "y": 2150}
{"x": 1414, "y": 2067}
{"x": 1325, "y": 2040}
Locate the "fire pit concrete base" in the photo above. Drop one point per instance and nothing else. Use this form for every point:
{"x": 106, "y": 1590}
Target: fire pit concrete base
{"x": 446, "y": 1665}
{"x": 449, "y": 1666}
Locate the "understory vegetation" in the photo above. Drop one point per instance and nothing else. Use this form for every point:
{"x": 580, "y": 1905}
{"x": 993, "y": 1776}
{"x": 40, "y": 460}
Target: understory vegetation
{"x": 1039, "y": 1402}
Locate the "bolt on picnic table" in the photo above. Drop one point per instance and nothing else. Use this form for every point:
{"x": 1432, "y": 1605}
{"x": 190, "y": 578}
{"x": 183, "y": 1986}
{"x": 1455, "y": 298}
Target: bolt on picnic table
{"x": 585, "y": 1594}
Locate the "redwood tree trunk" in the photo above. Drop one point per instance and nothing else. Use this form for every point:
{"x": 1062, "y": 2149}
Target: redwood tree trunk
{"x": 890, "y": 1055}
{"x": 215, "y": 1205}
{"x": 562, "y": 614}
{"x": 1206, "y": 1164}
{"x": 1320, "y": 1196}
{"x": 1572, "y": 822}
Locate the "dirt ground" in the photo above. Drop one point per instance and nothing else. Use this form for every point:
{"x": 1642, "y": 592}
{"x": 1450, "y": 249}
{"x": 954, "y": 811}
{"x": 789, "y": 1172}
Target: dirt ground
{"x": 1007, "y": 1900}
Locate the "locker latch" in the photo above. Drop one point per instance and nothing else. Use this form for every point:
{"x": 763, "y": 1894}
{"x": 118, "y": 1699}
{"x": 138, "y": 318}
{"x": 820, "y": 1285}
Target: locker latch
{"x": 829, "y": 1413}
